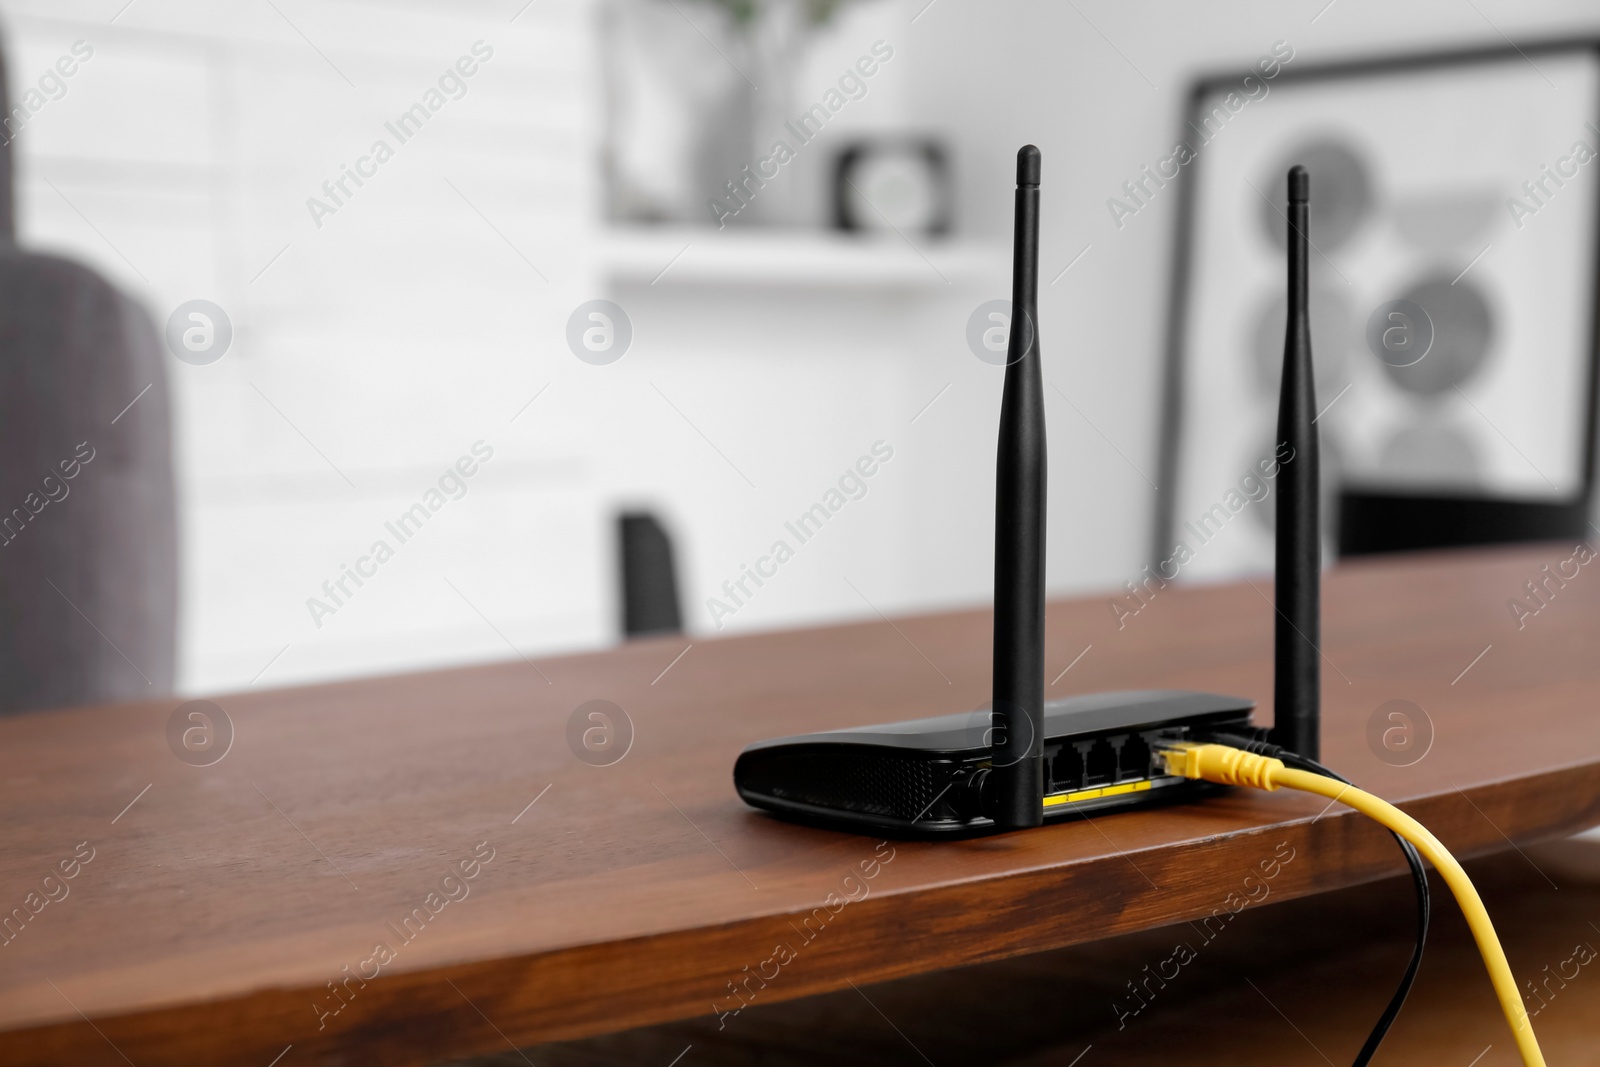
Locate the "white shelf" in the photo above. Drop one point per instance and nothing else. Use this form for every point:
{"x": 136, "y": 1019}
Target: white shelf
{"x": 682, "y": 256}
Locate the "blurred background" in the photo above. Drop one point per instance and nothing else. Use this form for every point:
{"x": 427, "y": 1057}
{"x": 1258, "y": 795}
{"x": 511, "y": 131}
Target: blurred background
{"x": 580, "y": 308}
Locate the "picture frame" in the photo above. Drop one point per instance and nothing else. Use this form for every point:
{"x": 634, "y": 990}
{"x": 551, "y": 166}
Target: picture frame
{"x": 1412, "y": 161}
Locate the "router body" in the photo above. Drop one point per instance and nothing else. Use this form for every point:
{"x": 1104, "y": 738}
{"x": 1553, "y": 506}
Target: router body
{"x": 925, "y": 777}
{"x": 1021, "y": 761}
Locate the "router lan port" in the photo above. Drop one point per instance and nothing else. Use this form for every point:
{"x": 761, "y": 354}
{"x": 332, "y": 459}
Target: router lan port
{"x": 1052, "y": 770}
{"x": 1064, "y": 770}
{"x": 1100, "y": 763}
{"x": 1133, "y": 759}
{"x": 1155, "y": 768}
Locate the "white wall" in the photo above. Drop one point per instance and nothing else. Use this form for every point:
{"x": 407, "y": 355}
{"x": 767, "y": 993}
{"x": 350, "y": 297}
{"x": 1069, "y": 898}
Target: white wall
{"x": 407, "y": 326}
{"x": 370, "y": 352}
{"x": 1098, "y": 86}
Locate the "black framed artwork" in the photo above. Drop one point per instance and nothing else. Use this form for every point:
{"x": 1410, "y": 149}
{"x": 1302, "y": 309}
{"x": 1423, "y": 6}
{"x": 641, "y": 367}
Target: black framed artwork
{"x": 1455, "y": 200}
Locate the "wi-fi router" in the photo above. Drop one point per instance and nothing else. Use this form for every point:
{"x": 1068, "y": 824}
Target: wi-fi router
{"x": 1022, "y": 761}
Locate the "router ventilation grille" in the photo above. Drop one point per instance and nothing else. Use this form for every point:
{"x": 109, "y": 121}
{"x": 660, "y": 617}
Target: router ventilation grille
{"x": 857, "y": 782}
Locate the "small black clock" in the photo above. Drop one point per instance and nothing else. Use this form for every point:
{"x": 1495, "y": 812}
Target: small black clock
{"x": 893, "y": 184}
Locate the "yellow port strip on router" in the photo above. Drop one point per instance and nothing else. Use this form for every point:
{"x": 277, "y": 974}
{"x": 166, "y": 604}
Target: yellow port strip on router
{"x": 1090, "y": 794}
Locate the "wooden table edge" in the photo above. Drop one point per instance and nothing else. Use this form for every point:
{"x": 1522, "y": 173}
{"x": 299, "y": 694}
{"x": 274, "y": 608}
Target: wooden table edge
{"x": 435, "y": 1013}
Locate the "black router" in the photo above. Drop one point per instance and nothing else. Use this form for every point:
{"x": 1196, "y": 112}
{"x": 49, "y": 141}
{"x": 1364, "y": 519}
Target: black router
{"x": 1022, "y": 761}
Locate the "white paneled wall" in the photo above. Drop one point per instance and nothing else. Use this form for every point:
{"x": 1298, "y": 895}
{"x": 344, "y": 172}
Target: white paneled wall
{"x": 370, "y": 352}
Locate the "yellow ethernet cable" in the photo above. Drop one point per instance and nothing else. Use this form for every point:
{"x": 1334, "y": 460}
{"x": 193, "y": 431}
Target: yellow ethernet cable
{"x": 1232, "y": 766}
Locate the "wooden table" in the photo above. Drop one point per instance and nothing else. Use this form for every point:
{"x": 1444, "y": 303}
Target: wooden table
{"x": 1300, "y": 982}
{"x": 223, "y": 903}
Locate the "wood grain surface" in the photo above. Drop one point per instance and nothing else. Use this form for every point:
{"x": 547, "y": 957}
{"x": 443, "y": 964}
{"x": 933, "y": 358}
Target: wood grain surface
{"x": 1294, "y": 983}
{"x": 222, "y": 904}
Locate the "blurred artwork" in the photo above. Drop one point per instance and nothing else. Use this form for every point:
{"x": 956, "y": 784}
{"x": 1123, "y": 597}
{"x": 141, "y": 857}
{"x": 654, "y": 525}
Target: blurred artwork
{"x": 1452, "y": 285}
{"x": 676, "y": 112}
{"x": 695, "y": 91}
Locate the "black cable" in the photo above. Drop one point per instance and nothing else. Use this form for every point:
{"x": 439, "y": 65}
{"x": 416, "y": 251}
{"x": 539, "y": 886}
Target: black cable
{"x": 1419, "y": 875}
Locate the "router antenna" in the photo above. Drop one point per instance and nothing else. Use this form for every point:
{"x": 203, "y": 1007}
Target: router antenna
{"x": 1297, "y": 676}
{"x": 1014, "y": 790}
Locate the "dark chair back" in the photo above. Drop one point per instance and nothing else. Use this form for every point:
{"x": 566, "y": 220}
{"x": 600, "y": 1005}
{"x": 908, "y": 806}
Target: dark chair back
{"x": 649, "y": 578}
{"x": 88, "y": 538}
